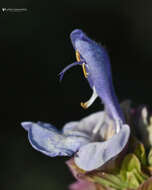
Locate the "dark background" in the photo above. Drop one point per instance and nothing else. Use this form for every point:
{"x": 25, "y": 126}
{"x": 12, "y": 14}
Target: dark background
{"x": 35, "y": 47}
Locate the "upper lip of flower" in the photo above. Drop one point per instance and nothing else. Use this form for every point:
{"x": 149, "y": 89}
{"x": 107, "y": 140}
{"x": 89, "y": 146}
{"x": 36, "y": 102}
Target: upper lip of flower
{"x": 78, "y": 34}
{"x": 96, "y": 66}
{"x": 83, "y": 136}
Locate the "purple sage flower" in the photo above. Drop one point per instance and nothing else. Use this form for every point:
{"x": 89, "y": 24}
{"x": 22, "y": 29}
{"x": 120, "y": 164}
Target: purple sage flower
{"x": 96, "y": 139}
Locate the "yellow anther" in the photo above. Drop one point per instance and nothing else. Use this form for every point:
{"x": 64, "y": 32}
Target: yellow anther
{"x": 87, "y": 104}
{"x": 83, "y": 65}
{"x": 77, "y": 56}
{"x": 84, "y": 105}
{"x": 84, "y": 70}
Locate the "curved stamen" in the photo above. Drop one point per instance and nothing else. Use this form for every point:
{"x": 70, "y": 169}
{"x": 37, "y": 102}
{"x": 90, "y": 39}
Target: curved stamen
{"x": 61, "y": 74}
{"x": 97, "y": 60}
{"x": 91, "y": 100}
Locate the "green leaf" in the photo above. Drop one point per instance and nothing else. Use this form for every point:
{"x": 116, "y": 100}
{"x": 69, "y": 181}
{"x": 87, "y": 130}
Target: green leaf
{"x": 130, "y": 163}
{"x": 132, "y": 180}
{"x": 130, "y": 171}
{"x": 116, "y": 179}
{"x": 105, "y": 183}
{"x": 109, "y": 180}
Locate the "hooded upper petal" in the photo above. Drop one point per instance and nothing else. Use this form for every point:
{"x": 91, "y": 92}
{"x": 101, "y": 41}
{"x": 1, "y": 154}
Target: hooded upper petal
{"x": 98, "y": 153}
{"x": 99, "y": 72}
